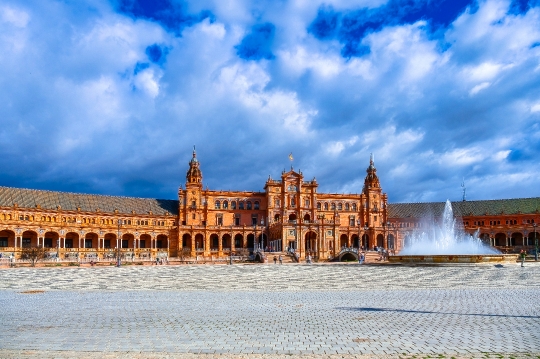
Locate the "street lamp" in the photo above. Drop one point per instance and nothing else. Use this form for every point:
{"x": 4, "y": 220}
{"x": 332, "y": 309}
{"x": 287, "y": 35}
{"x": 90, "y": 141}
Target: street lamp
{"x": 535, "y": 243}
{"x": 230, "y": 247}
{"x": 119, "y": 245}
{"x": 366, "y": 244}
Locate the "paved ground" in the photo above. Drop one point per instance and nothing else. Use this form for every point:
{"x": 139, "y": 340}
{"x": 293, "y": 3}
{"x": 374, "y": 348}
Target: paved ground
{"x": 270, "y": 311}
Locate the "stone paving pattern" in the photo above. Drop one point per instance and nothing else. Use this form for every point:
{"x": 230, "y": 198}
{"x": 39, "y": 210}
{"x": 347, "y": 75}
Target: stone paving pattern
{"x": 270, "y": 311}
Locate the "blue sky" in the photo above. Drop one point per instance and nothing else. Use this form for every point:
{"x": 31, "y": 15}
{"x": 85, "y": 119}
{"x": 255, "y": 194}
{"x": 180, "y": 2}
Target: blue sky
{"x": 110, "y": 96}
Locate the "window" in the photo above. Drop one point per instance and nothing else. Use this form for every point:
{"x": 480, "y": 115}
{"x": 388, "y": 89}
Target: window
{"x": 306, "y": 204}
{"x": 351, "y": 221}
{"x": 69, "y": 243}
{"x": 293, "y": 202}
{"x": 248, "y": 205}
{"x": 219, "y": 219}
{"x": 26, "y": 242}
{"x": 47, "y": 243}
{"x": 193, "y": 216}
{"x": 326, "y": 206}
{"x": 88, "y": 243}
{"x": 159, "y": 243}
{"x": 125, "y": 243}
{"x": 142, "y": 243}
{"x": 3, "y": 241}
{"x": 107, "y": 243}
{"x": 340, "y": 206}
{"x": 237, "y": 220}
{"x": 256, "y": 204}
{"x": 193, "y": 204}
{"x": 241, "y": 205}
{"x": 253, "y": 219}
{"x": 347, "y": 206}
{"x": 277, "y": 203}
{"x": 233, "y": 205}
{"x": 319, "y": 206}
{"x": 333, "y": 206}
{"x": 218, "y": 205}
{"x": 225, "y": 204}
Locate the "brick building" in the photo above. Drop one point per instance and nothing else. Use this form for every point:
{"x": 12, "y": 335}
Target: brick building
{"x": 288, "y": 213}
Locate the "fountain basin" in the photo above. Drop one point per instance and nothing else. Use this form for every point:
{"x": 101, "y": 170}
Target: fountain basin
{"x": 455, "y": 258}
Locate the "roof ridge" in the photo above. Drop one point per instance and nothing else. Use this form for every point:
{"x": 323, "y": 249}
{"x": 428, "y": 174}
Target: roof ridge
{"x": 85, "y": 194}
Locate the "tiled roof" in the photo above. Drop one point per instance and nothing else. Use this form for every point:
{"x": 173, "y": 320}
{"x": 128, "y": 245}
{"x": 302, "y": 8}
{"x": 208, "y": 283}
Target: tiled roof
{"x": 30, "y": 198}
{"x": 467, "y": 208}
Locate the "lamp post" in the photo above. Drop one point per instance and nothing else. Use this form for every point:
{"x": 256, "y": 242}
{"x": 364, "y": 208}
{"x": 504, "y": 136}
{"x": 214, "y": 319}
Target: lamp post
{"x": 255, "y": 242}
{"x": 365, "y": 233}
{"x": 230, "y": 247}
{"x": 119, "y": 245}
{"x": 535, "y": 243}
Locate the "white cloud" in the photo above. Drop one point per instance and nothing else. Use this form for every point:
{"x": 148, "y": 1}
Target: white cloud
{"x": 476, "y": 89}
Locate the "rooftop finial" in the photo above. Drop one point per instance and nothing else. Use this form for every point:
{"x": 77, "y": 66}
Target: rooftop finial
{"x": 464, "y": 190}
{"x": 371, "y": 159}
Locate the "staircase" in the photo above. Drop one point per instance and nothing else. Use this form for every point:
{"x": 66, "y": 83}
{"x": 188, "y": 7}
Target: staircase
{"x": 287, "y": 259}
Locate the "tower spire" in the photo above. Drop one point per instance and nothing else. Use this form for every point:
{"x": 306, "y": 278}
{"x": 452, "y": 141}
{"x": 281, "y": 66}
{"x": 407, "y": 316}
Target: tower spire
{"x": 194, "y": 174}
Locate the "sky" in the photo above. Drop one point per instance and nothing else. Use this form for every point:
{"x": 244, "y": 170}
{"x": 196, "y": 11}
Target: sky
{"x": 109, "y": 97}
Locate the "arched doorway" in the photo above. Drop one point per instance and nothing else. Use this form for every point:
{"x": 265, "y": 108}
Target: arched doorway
{"x": 500, "y": 239}
{"x": 214, "y": 242}
{"x": 199, "y": 242}
{"x": 307, "y": 218}
{"x": 238, "y": 241}
{"x": 292, "y": 217}
{"x": 90, "y": 240}
{"x": 186, "y": 241}
{"x": 310, "y": 242}
{"x": 7, "y": 239}
{"x": 162, "y": 241}
{"x": 343, "y": 241}
{"x": 128, "y": 240}
{"x": 50, "y": 240}
{"x": 72, "y": 240}
{"x": 365, "y": 241}
{"x": 355, "y": 241}
{"x": 29, "y": 239}
{"x": 515, "y": 239}
{"x": 251, "y": 241}
{"x": 380, "y": 240}
{"x": 145, "y": 241}
{"x": 226, "y": 241}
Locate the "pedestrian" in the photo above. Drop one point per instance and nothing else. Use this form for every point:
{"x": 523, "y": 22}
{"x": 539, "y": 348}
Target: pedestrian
{"x": 280, "y": 259}
{"x": 522, "y": 254}
{"x": 309, "y": 258}
{"x": 275, "y": 260}
{"x": 361, "y": 258}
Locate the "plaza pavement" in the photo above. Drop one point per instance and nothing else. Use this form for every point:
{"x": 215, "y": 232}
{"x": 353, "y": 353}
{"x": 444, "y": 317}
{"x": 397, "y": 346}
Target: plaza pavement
{"x": 271, "y": 311}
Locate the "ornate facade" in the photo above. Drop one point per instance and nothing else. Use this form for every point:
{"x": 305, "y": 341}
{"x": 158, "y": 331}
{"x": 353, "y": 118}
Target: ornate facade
{"x": 289, "y": 213}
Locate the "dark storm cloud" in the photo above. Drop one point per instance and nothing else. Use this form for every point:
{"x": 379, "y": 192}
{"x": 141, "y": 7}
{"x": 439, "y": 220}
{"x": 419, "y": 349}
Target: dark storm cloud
{"x": 257, "y": 44}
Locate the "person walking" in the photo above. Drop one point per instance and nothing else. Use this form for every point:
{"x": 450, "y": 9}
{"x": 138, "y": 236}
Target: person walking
{"x": 280, "y": 259}
{"x": 275, "y": 260}
{"x": 522, "y": 254}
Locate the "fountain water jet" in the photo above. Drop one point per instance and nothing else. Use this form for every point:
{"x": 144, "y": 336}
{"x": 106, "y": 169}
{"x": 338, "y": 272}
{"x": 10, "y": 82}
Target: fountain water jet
{"x": 444, "y": 242}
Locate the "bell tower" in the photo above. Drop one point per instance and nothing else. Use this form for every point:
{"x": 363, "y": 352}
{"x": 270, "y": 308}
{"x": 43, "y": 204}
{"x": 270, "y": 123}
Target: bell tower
{"x": 191, "y": 199}
{"x": 376, "y": 200}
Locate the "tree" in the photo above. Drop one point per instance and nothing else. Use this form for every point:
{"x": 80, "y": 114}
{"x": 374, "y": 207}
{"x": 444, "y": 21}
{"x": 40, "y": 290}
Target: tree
{"x": 33, "y": 254}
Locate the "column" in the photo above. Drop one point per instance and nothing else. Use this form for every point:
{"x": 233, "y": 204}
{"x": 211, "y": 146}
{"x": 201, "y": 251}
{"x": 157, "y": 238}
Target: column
{"x": 233, "y": 248}
{"x": 220, "y": 244}
{"x": 206, "y": 244}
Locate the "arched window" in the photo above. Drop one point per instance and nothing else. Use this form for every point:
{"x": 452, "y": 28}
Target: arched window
{"x": 240, "y": 205}
{"x": 248, "y": 204}
{"x": 233, "y": 205}
{"x": 326, "y": 206}
{"x": 319, "y": 206}
{"x": 347, "y": 206}
{"x": 333, "y": 206}
{"x": 256, "y": 204}
{"x": 277, "y": 217}
{"x": 340, "y": 206}
{"x": 218, "y": 204}
{"x": 225, "y": 204}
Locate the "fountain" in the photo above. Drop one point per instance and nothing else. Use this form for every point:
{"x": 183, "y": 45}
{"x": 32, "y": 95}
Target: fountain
{"x": 445, "y": 242}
